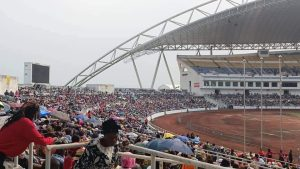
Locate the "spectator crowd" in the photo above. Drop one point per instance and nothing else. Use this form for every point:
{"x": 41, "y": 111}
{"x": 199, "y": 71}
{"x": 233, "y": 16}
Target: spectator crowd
{"x": 255, "y": 99}
{"x": 80, "y": 115}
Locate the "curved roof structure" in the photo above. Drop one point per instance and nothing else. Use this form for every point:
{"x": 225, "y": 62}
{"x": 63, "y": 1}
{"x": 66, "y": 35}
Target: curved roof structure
{"x": 289, "y": 59}
{"x": 233, "y": 64}
{"x": 261, "y": 24}
{"x": 258, "y": 22}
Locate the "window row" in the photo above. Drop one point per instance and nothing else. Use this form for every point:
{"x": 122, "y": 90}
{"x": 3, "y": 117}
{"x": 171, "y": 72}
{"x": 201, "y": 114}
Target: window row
{"x": 248, "y": 84}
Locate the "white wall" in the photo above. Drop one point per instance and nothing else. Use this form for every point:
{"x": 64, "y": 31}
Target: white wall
{"x": 186, "y": 77}
{"x": 9, "y": 83}
{"x": 27, "y": 73}
{"x": 109, "y": 88}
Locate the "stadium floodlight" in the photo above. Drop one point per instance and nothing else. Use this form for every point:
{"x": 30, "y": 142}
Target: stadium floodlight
{"x": 244, "y": 64}
{"x": 280, "y": 98}
{"x": 261, "y": 102}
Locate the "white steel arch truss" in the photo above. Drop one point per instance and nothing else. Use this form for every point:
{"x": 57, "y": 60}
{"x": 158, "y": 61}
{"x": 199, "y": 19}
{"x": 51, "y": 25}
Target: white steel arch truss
{"x": 127, "y": 49}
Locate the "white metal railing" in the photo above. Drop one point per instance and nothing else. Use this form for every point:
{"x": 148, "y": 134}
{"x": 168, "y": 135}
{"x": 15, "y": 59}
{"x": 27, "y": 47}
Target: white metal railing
{"x": 230, "y": 157}
{"x": 167, "y": 158}
{"x": 75, "y": 145}
{"x": 49, "y": 149}
{"x": 155, "y": 156}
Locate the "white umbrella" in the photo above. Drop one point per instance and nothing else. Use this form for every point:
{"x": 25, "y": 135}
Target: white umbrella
{"x": 132, "y": 135}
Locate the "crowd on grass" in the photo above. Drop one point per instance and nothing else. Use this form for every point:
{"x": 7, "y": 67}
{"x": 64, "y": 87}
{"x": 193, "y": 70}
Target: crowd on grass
{"x": 109, "y": 122}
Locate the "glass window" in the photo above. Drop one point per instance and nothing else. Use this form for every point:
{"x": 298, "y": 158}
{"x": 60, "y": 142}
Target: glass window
{"x": 242, "y": 84}
{"x": 266, "y": 84}
{"x": 206, "y": 83}
{"x": 258, "y": 84}
{"x": 289, "y": 84}
{"x": 213, "y": 83}
{"x": 227, "y": 84}
{"x": 274, "y": 84}
{"x": 250, "y": 84}
{"x": 235, "y": 84}
{"x": 220, "y": 84}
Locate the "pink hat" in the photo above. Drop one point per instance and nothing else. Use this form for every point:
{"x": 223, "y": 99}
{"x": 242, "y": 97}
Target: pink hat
{"x": 127, "y": 162}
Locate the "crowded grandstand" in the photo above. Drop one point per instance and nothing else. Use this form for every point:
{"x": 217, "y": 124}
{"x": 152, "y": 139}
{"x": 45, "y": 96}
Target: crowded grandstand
{"x": 102, "y": 127}
{"x": 70, "y": 114}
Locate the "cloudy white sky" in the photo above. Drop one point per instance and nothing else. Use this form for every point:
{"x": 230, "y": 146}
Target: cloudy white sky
{"x": 70, "y": 34}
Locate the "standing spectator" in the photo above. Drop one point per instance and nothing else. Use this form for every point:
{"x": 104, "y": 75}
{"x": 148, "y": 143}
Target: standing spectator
{"x": 11, "y": 93}
{"x": 19, "y": 131}
{"x": 281, "y": 156}
{"x": 290, "y": 156}
{"x": 269, "y": 155}
{"x": 6, "y": 93}
{"x": 261, "y": 152}
{"x": 101, "y": 153}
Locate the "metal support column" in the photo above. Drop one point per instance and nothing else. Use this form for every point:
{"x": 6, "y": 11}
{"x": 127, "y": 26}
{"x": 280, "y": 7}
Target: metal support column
{"x": 153, "y": 162}
{"x": 156, "y": 69}
{"x": 261, "y": 102}
{"x": 280, "y": 99}
{"x": 136, "y": 72}
{"x": 48, "y": 159}
{"x": 30, "y": 159}
{"x": 16, "y": 161}
{"x": 244, "y": 64}
{"x": 168, "y": 70}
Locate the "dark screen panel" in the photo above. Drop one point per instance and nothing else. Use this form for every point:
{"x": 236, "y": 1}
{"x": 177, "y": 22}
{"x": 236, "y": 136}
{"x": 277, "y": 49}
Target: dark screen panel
{"x": 40, "y": 74}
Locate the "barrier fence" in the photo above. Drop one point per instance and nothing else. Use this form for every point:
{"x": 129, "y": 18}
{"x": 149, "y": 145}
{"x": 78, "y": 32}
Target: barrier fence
{"x": 155, "y": 156}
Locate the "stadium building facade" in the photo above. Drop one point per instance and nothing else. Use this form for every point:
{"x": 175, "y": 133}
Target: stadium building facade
{"x": 204, "y": 75}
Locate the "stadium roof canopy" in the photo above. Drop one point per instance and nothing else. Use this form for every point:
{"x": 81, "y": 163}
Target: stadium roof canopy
{"x": 260, "y": 24}
{"x": 289, "y": 59}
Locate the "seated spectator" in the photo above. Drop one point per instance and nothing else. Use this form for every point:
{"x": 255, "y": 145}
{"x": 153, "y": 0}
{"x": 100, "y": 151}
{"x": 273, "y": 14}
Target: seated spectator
{"x": 101, "y": 153}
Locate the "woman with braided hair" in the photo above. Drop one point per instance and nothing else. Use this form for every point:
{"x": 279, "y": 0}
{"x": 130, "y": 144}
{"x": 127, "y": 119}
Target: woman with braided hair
{"x": 19, "y": 131}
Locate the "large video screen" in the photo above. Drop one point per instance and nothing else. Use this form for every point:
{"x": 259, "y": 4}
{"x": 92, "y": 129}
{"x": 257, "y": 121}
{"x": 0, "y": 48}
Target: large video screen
{"x": 40, "y": 74}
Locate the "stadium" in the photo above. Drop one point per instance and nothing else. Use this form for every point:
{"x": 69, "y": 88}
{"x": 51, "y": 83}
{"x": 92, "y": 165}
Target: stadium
{"x": 238, "y": 104}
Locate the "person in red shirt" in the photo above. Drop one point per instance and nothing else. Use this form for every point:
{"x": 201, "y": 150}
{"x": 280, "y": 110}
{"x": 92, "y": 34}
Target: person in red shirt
{"x": 261, "y": 152}
{"x": 19, "y": 131}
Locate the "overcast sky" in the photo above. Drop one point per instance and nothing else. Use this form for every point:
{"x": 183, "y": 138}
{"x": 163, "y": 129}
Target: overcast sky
{"x": 68, "y": 35}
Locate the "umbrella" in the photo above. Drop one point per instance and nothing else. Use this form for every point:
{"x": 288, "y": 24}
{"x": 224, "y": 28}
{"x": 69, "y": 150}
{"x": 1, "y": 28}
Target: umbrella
{"x": 132, "y": 135}
{"x": 3, "y": 120}
{"x": 148, "y": 131}
{"x": 169, "y": 144}
{"x": 168, "y": 135}
{"x": 176, "y": 145}
{"x": 82, "y": 117}
{"x": 5, "y": 106}
{"x": 155, "y": 144}
{"x": 95, "y": 121}
{"x": 183, "y": 138}
{"x": 59, "y": 114}
{"x": 43, "y": 111}
{"x": 196, "y": 140}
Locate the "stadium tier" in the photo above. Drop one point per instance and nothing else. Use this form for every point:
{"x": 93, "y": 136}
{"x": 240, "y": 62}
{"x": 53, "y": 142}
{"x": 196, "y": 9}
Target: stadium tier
{"x": 223, "y": 74}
